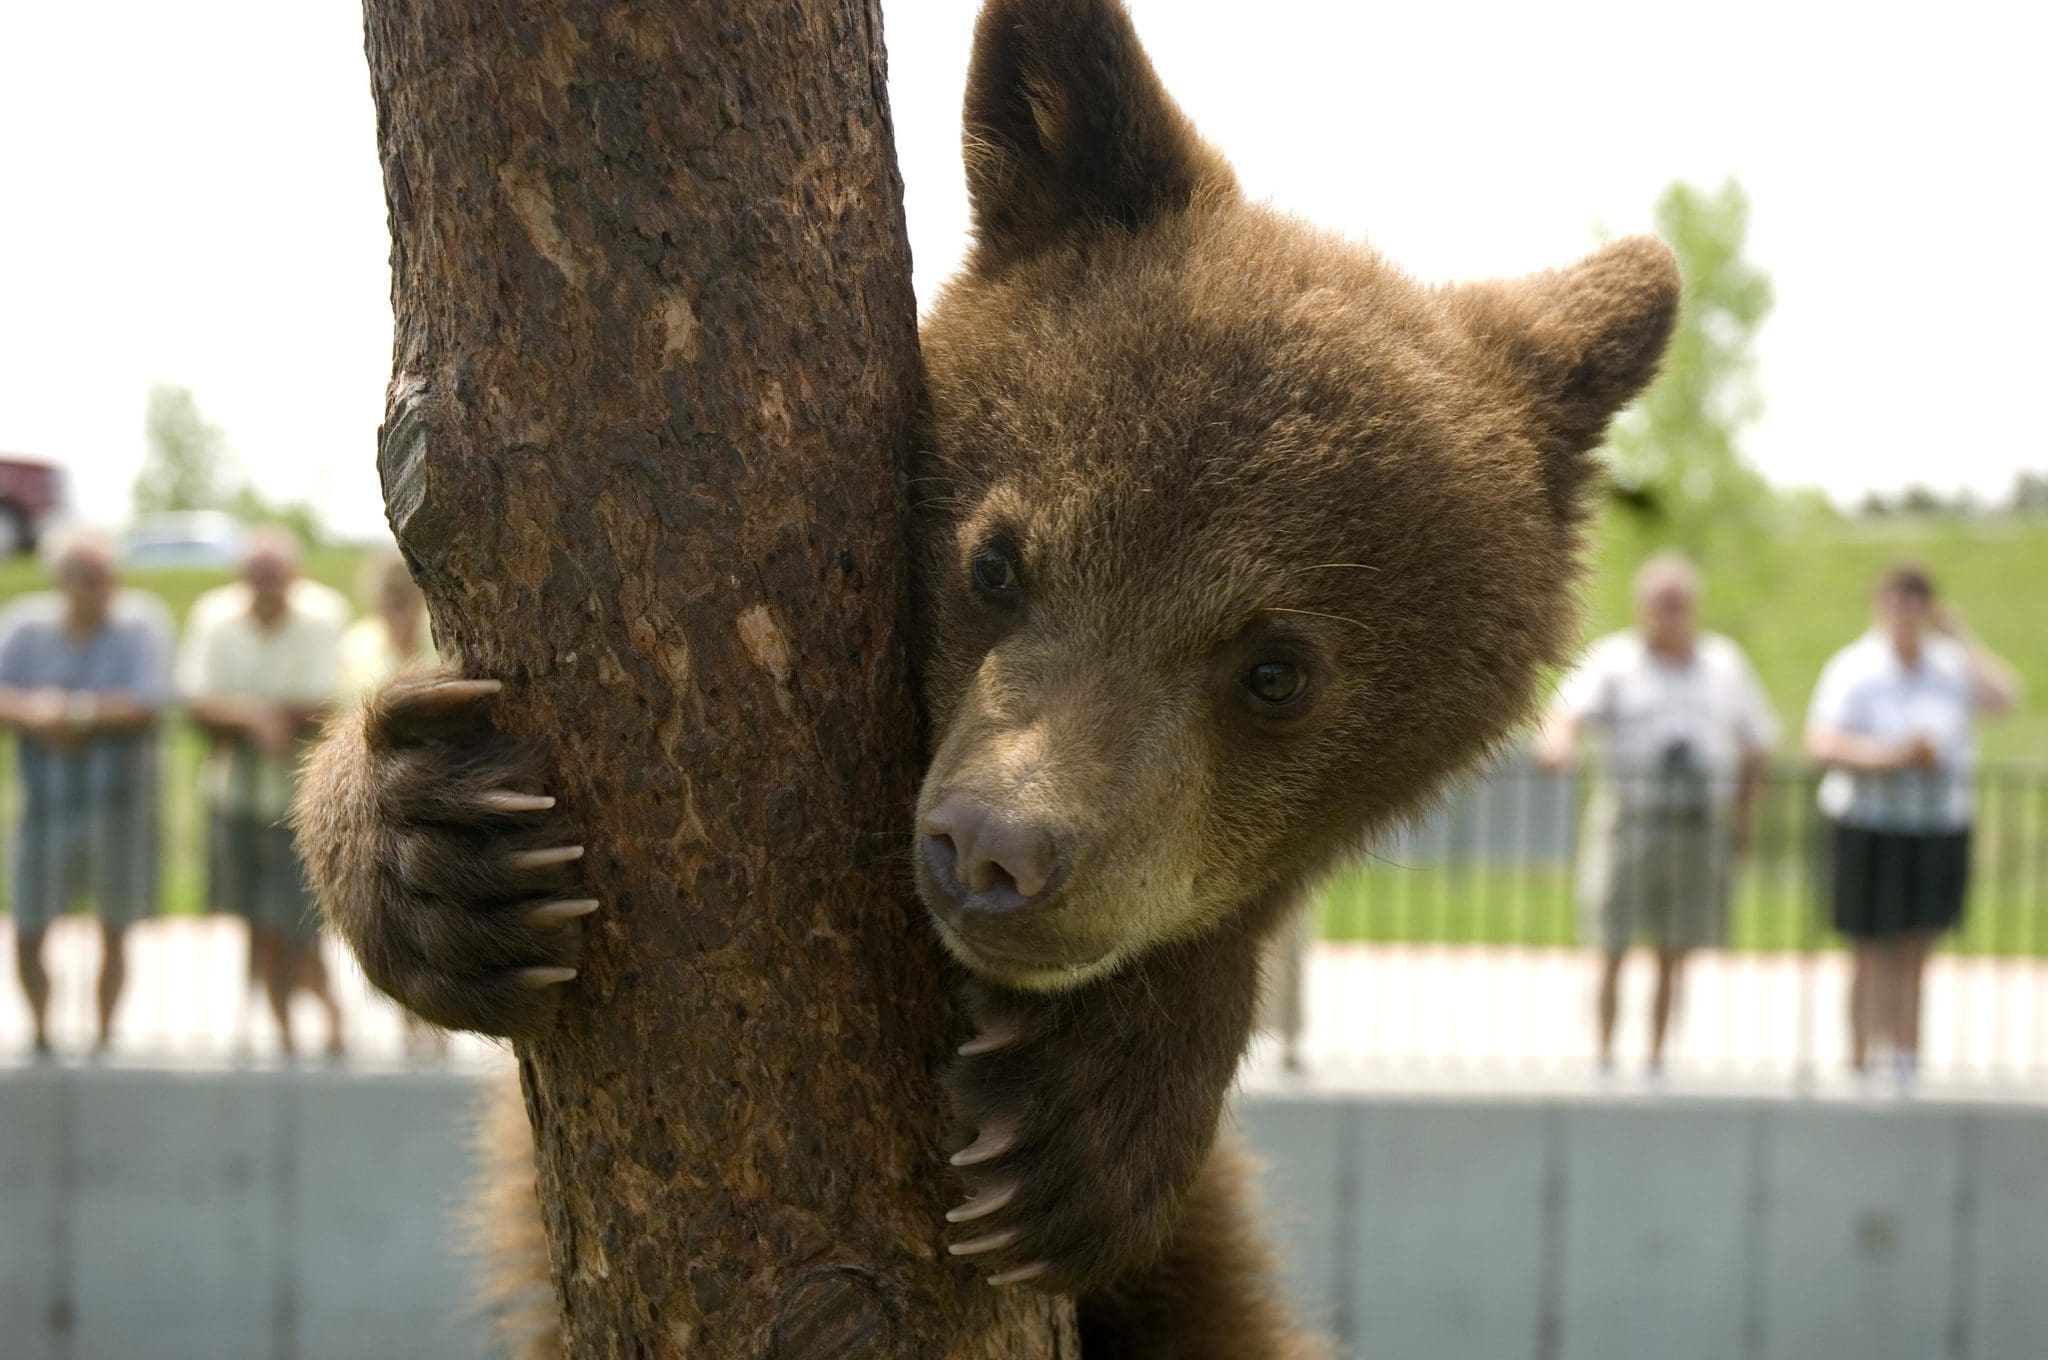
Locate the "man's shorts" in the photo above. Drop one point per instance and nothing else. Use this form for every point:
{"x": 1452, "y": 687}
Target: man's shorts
{"x": 1655, "y": 876}
{"x": 103, "y": 857}
{"x": 255, "y": 874}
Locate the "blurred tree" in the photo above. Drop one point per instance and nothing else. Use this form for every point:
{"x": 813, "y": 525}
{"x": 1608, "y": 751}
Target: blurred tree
{"x": 187, "y": 464}
{"x": 2030, "y": 493}
{"x": 1676, "y": 457}
{"x": 301, "y": 517}
{"x": 188, "y": 467}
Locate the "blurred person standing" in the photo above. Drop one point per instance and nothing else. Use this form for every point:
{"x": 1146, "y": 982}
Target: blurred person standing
{"x": 1892, "y": 720}
{"x": 1687, "y": 731}
{"x": 84, "y": 680}
{"x": 393, "y": 636}
{"x": 259, "y": 671}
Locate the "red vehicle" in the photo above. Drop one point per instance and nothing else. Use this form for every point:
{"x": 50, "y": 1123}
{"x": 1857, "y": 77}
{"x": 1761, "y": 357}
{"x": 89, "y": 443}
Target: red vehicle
{"x": 31, "y": 495}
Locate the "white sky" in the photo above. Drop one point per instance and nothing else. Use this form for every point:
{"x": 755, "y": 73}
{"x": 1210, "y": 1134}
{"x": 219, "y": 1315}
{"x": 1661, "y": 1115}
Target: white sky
{"x": 192, "y": 195}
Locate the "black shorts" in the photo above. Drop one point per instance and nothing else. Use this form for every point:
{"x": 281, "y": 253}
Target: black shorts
{"x": 1888, "y": 883}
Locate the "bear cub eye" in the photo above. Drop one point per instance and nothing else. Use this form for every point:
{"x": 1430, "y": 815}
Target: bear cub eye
{"x": 1275, "y": 683}
{"x": 995, "y": 573}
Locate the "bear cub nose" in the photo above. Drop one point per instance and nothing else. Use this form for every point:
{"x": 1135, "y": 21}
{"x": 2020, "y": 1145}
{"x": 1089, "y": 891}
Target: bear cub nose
{"x": 984, "y": 860}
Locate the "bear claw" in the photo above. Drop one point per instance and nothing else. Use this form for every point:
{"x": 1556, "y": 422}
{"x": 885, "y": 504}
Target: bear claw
{"x": 998, "y": 1035}
{"x": 554, "y": 913}
{"x": 1020, "y": 1274}
{"x": 995, "y": 1241}
{"x": 983, "y": 1204}
{"x": 545, "y": 977}
{"x": 544, "y": 859}
{"x": 991, "y": 1142}
{"x": 505, "y": 800}
{"x": 453, "y": 692}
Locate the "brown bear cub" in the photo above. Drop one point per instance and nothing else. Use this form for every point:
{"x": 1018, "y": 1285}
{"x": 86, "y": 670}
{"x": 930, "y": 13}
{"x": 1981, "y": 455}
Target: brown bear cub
{"x": 1237, "y": 542}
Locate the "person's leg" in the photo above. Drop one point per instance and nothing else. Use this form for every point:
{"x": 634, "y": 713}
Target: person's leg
{"x": 1911, "y": 953}
{"x": 1884, "y": 1015}
{"x": 37, "y": 900}
{"x": 1865, "y": 966}
{"x": 122, "y": 874}
{"x": 296, "y": 918}
{"x": 311, "y": 973}
{"x": 1670, "y": 966}
{"x": 113, "y": 975}
{"x": 1609, "y": 1004}
{"x": 269, "y": 957}
{"x": 35, "y": 985}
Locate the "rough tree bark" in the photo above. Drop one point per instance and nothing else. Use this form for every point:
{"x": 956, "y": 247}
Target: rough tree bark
{"x": 654, "y": 381}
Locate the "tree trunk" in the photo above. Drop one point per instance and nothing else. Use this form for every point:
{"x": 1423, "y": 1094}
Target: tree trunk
{"x": 654, "y": 383}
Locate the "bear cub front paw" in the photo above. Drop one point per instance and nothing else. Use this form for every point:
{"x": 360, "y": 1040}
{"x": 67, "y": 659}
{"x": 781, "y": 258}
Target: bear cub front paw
{"x": 442, "y": 860}
{"x": 1076, "y": 1171}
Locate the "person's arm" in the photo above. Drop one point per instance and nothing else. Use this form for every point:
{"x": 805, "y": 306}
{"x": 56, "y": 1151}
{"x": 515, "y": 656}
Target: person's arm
{"x": 91, "y": 712}
{"x": 317, "y": 694}
{"x": 306, "y": 721}
{"x": 1994, "y": 685}
{"x": 1831, "y": 735}
{"x": 1758, "y": 736}
{"x": 1749, "y": 787}
{"x": 37, "y": 712}
{"x": 1581, "y": 698}
{"x": 1867, "y": 754}
{"x": 1557, "y": 741}
{"x": 231, "y": 718}
{"x": 24, "y": 707}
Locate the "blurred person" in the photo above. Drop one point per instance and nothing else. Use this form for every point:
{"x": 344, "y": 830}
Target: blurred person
{"x": 393, "y": 636}
{"x": 1283, "y": 999}
{"x": 1688, "y": 730}
{"x": 259, "y": 671}
{"x": 84, "y": 680}
{"x": 1892, "y": 720}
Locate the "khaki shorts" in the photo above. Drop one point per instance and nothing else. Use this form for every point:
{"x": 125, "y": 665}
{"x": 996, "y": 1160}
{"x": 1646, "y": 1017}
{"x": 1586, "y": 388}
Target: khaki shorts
{"x": 255, "y": 874}
{"x": 1657, "y": 877}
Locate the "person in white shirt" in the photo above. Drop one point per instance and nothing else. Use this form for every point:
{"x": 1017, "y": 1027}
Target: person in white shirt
{"x": 1892, "y": 720}
{"x": 1687, "y": 729}
{"x": 259, "y": 671}
{"x": 393, "y": 636}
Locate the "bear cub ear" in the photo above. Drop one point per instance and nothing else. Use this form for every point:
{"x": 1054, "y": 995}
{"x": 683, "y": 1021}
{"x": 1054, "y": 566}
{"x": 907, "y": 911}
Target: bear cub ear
{"x": 1067, "y": 129}
{"x": 1583, "y": 340}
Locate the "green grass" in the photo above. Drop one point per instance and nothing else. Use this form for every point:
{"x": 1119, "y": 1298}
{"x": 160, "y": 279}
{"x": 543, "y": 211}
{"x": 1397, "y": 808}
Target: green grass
{"x": 333, "y": 566}
{"x": 1774, "y": 907}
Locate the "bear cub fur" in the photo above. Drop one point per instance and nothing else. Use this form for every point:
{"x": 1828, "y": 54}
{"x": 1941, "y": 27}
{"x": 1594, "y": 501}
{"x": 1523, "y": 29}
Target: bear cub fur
{"x": 1235, "y": 544}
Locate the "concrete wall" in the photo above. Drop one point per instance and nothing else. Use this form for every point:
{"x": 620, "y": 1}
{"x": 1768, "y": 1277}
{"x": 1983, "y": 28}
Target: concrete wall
{"x": 257, "y": 1215}
{"x": 1683, "y": 1230}
{"x": 227, "y": 1215}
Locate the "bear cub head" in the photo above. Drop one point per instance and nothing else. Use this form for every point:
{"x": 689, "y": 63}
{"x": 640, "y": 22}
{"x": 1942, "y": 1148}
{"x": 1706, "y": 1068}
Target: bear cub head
{"x": 1234, "y": 541}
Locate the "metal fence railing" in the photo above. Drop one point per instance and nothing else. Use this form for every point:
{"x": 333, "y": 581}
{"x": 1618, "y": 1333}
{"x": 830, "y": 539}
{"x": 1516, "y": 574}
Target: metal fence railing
{"x": 1462, "y": 950}
{"x": 1471, "y": 945}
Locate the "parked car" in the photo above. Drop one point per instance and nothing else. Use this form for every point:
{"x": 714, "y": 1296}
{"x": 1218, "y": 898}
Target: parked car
{"x": 31, "y": 499}
{"x": 183, "y": 538}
